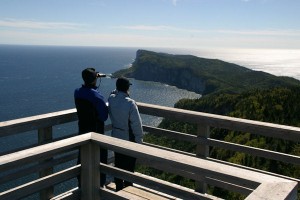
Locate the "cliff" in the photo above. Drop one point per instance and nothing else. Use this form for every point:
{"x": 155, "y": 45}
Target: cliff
{"x": 201, "y": 75}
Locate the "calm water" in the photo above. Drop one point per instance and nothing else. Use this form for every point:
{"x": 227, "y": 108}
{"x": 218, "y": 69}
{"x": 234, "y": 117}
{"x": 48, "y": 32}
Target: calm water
{"x": 40, "y": 79}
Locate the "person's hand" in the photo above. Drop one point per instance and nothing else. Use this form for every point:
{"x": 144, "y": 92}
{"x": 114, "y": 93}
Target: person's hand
{"x": 114, "y": 92}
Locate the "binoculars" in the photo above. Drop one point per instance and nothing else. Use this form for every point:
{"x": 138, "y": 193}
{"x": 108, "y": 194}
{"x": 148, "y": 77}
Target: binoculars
{"x": 99, "y": 75}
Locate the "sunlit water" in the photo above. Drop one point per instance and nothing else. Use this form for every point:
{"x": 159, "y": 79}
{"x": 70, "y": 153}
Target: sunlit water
{"x": 279, "y": 62}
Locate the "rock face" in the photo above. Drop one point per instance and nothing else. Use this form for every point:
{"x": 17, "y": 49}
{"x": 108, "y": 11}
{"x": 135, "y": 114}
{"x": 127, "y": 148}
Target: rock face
{"x": 200, "y": 75}
{"x": 148, "y": 67}
{"x": 181, "y": 78}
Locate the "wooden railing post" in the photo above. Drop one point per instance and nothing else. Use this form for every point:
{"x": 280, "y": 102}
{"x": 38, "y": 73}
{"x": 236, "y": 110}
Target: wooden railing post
{"x": 90, "y": 171}
{"x": 45, "y": 136}
{"x": 202, "y": 151}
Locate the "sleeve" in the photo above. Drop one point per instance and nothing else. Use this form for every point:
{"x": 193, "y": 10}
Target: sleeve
{"x": 136, "y": 123}
{"x": 102, "y": 108}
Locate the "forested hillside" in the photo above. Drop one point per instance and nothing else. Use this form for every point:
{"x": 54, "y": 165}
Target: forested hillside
{"x": 200, "y": 75}
{"x": 278, "y": 105}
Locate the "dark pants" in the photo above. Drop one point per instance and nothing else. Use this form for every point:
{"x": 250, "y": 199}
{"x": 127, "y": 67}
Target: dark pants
{"x": 127, "y": 163}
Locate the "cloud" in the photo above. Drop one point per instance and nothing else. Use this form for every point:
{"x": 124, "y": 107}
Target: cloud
{"x": 263, "y": 32}
{"x": 31, "y": 24}
{"x": 146, "y": 27}
{"x": 174, "y": 2}
{"x": 141, "y": 40}
{"x": 172, "y": 29}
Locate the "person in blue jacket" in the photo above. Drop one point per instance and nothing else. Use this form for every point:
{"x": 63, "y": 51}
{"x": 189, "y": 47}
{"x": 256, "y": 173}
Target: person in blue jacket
{"x": 126, "y": 125}
{"x": 92, "y": 111}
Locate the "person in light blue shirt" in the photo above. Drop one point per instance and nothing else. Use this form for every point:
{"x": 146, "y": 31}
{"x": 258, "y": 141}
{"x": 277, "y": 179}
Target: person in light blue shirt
{"x": 126, "y": 124}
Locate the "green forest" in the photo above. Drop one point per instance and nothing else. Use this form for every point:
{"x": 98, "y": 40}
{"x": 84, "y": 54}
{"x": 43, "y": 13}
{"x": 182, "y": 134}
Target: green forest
{"x": 229, "y": 90}
{"x": 277, "y": 105}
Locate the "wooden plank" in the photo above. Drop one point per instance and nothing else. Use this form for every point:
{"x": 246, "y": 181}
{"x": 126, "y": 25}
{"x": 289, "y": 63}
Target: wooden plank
{"x": 219, "y": 121}
{"x": 202, "y": 151}
{"x": 151, "y": 191}
{"x": 39, "y": 184}
{"x": 36, "y": 168}
{"x": 210, "y": 181}
{"x": 45, "y": 136}
{"x": 44, "y": 151}
{"x": 34, "y": 145}
{"x": 153, "y": 183}
{"x": 255, "y": 170}
{"x": 192, "y": 164}
{"x": 144, "y": 194}
{"x": 169, "y": 149}
{"x": 228, "y": 186}
{"x": 218, "y": 171}
{"x": 130, "y": 196}
{"x": 261, "y": 128}
{"x": 196, "y": 165}
{"x": 35, "y": 122}
{"x": 203, "y": 141}
{"x": 197, "y": 177}
{"x": 172, "y": 134}
{"x": 90, "y": 173}
{"x": 273, "y": 155}
{"x": 73, "y": 194}
{"x": 107, "y": 194}
{"x": 271, "y": 191}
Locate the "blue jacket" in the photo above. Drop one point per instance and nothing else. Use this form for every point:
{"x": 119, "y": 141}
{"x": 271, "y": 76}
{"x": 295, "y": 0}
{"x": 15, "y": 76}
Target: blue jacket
{"x": 125, "y": 117}
{"x": 91, "y": 109}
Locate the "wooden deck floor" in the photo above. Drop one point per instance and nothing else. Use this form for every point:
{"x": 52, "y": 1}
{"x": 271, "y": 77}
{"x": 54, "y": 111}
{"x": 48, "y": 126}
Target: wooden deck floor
{"x": 137, "y": 192}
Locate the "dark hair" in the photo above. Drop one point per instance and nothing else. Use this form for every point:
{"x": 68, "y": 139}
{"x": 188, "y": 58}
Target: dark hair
{"x": 89, "y": 75}
{"x": 123, "y": 84}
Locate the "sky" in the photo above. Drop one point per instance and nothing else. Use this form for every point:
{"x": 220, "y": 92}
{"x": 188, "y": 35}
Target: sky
{"x": 258, "y": 24}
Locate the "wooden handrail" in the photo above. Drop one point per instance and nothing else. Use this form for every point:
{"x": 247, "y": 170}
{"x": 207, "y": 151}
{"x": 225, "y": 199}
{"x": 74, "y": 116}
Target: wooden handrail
{"x": 291, "y": 133}
{"x": 204, "y": 121}
{"x": 259, "y": 182}
{"x": 219, "y": 121}
{"x": 292, "y": 159}
{"x": 16, "y": 126}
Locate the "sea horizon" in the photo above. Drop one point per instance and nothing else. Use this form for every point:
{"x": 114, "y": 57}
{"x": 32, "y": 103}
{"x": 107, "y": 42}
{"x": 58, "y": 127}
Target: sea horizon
{"x": 279, "y": 62}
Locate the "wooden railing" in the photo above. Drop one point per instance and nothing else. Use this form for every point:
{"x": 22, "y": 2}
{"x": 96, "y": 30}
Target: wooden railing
{"x": 199, "y": 167}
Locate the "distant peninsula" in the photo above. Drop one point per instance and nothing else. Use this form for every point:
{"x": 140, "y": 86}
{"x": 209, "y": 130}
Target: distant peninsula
{"x": 200, "y": 75}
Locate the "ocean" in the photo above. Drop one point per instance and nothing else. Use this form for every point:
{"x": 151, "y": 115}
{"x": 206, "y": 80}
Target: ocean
{"x": 41, "y": 79}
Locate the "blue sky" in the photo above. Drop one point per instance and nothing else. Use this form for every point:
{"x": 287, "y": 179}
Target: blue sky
{"x": 152, "y": 23}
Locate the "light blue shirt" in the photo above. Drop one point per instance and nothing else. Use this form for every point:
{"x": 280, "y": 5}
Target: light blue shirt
{"x": 123, "y": 112}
